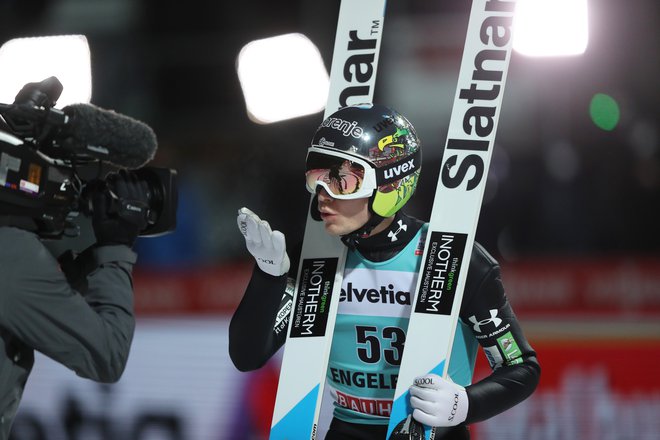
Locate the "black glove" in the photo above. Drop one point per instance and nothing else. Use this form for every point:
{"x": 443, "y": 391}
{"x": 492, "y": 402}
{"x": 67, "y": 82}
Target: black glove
{"x": 120, "y": 209}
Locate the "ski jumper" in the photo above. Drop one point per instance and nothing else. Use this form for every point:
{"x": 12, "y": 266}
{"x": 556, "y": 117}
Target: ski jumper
{"x": 374, "y": 308}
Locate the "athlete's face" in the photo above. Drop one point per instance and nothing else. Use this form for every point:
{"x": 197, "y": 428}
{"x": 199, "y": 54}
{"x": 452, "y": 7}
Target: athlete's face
{"x": 342, "y": 216}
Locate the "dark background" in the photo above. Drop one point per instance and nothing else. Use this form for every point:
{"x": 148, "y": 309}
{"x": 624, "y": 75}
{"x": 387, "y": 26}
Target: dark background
{"x": 570, "y": 210}
{"x": 558, "y": 184}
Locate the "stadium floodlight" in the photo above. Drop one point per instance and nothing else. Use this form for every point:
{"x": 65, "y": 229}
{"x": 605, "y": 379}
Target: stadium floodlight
{"x": 33, "y": 59}
{"x": 282, "y": 77}
{"x": 546, "y": 28}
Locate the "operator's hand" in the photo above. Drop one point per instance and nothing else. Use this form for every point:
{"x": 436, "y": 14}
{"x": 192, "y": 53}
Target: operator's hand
{"x": 268, "y": 247}
{"x": 438, "y": 402}
{"x": 120, "y": 209}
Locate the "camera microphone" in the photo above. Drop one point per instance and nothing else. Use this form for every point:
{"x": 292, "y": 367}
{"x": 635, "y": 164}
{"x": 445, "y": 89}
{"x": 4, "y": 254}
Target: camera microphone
{"x": 80, "y": 129}
{"x": 104, "y": 134}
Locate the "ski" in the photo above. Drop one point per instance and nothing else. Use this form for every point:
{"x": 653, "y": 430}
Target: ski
{"x": 456, "y": 207}
{"x": 320, "y": 273}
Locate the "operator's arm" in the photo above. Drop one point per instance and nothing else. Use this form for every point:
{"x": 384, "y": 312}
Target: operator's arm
{"x": 90, "y": 334}
{"x": 88, "y": 328}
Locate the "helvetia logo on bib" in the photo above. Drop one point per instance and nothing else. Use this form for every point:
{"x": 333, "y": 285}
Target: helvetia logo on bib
{"x": 385, "y": 294}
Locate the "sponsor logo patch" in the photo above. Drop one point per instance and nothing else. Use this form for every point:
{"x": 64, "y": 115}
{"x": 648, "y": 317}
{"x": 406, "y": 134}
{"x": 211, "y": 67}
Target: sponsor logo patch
{"x": 510, "y": 349}
{"x": 314, "y": 292}
{"x": 440, "y": 273}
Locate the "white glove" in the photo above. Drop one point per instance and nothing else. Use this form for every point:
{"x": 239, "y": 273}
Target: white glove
{"x": 266, "y": 246}
{"x": 438, "y": 402}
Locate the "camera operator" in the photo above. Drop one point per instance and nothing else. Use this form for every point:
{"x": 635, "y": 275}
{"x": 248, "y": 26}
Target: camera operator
{"x": 78, "y": 311}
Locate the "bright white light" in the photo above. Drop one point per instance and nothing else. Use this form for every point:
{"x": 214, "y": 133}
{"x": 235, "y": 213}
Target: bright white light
{"x": 551, "y": 27}
{"x": 67, "y": 57}
{"x": 282, "y": 78}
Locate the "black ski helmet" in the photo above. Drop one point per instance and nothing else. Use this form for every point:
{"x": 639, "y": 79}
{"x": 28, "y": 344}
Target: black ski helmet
{"x": 383, "y": 138}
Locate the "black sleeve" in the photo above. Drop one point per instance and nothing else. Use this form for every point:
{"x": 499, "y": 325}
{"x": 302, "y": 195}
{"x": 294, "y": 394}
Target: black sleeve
{"x": 515, "y": 369}
{"x": 259, "y": 324}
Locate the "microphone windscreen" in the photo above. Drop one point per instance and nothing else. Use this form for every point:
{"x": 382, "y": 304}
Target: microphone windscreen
{"x": 125, "y": 142}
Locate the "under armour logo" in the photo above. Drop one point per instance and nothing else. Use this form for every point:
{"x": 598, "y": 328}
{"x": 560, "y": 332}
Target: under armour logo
{"x": 493, "y": 318}
{"x": 393, "y": 235}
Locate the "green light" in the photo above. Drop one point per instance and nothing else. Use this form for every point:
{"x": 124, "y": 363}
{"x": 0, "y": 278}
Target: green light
{"x": 604, "y": 111}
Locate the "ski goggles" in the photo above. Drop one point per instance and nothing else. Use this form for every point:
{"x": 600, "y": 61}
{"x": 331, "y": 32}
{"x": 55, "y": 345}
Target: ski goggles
{"x": 341, "y": 174}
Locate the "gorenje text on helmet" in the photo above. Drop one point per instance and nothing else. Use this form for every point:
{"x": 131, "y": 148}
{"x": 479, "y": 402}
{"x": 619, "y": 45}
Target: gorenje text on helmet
{"x": 344, "y": 127}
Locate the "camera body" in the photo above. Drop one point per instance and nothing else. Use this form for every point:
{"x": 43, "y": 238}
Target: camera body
{"x": 33, "y": 186}
{"x": 52, "y": 192}
{"x": 43, "y": 180}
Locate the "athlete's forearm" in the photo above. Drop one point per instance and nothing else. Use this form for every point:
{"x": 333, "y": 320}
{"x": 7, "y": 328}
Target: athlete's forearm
{"x": 504, "y": 388}
{"x": 252, "y": 340}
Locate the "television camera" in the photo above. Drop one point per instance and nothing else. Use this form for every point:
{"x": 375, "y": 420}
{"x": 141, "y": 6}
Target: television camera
{"x": 51, "y": 160}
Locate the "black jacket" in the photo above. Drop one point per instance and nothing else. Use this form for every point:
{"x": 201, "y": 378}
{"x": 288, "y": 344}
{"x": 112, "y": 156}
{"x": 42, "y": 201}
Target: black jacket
{"x": 80, "y": 315}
